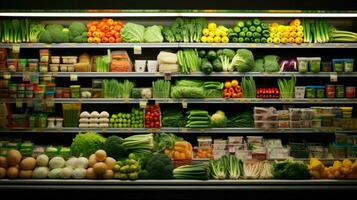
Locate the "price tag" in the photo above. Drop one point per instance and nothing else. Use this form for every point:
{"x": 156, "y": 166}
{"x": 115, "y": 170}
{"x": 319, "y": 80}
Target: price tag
{"x": 59, "y": 129}
{"x": 184, "y": 104}
{"x": 237, "y": 45}
{"x": 16, "y": 48}
{"x": 142, "y": 104}
{"x": 130, "y": 130}
{"x": 157, "y": 74}
{"x": 167, "y": 76}
{"x": 74, "y": 77}
{"x": 276, "y": 46}
{"x": 333, "y": 77}
{"x": 184, "y": 130}
{"x": 202, "y": 130}
{"x": 346, "y": 45}
{"x": 268, "y": 45}
{"x": 126, "y": 100}
{"x": 170, "y": 100}
{"x": 253, "y": 45}
{"x": 18, "y": 103}
{"x": 104, "y": 130}
{"x": 137, "y": 50}
{"x": 243, "y": 101}
{"x": 26, "y": 77}
{"x": 337, "y": 45}
{"x": 7, "y": 75}
{"x": 310, "y": 45}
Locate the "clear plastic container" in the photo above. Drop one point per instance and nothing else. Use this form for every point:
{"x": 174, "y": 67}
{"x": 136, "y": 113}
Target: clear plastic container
{"x": 43, "y": 67}
{"x": 140, "y": 65}
{"x": 44, "y": 55}
{"x": 351, "y": 92}
{"x": 330, "y": 91}
{"x": 12, "y": 65}
{"x": 22, "y": 65}
{"x": 63, "y": 67}
{"x": 266, "y": 124}
{"x": 69, "y": 59}
{"x": 339, "y": 151}
{"x": 294, "y": 114}
{"x": 316, "y": 123}
{"x": 305, "y": 124}
{"x": 320, "y": 92}
{"x": 303, "y": 64}
{"x": 338, "y": 65}
{"x": 294, "y": 124}
{"x": 315, "y": 64}
{"x": 55, "y": 59}
{"x": 307, "y": 114}
{"x": 348, "y": 65}
{"x": 340, "y": 91}
{"x": 284, "y": 124}
{"x": 299, "y": 92}
{"x": 152, "y": 66}
{"x": 32, "y": 65}
{"x": 54, "y": 67}
{"x": 283, "y": 114}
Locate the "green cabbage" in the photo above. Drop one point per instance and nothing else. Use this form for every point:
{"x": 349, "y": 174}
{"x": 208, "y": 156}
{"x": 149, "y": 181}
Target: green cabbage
{"x": 132, "y": 33}
{"x": 219, "y": 119}
{"x": 153, "y": 34}
{"x": 271, "y": 63}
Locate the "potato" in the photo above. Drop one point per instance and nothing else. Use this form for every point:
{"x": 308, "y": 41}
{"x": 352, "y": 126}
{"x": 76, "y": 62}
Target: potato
{"x": 100, "y": 155}
{"x": 12, "y": 172}
{"x": 25, "y": 174}
{"x": 28, "y": 163}
{"x": 3, "y": 162}
{"x": 13, "y": 157}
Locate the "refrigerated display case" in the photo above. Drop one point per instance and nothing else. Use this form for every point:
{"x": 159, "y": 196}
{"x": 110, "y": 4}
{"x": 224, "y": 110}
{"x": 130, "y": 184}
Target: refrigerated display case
{"x": 296, "y": 131}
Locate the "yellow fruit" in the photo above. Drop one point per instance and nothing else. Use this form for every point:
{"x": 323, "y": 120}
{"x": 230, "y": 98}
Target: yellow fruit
{"x": 336, "y": 165}
{"x": 298, "y": 40}
{"x": 296, "y": 22}
{"x": 225, "y": 39}
{"x": 315, "y": 164}
{"x": 278, "y": 34}
{"x": 337, "y": 174}
{"x": 300, "y": 34}
{"x": 276, "y": 40}
{"x": 205, "y": 32}
{"x": 331, "y": 176}
{"x": 217, "y": 39}
{"x": 234, "y": 83}
{"x": 272, "y": 35}
{"x": 293, "y": 28}
{"x": 212, "y": 34}
{"x": 284, "y": 40}
{"x": 281, "y": 28}
{"x": 224, "y": 33}
{"x": 218, "y": 32}
{"x": 346, "y": 170}
{"x": 286, "y": 34}
{"x": 293, "y": 34}
{"x": 347, "y": 163}
{"x": 291, "y": 40}
{"x": 315, "y": 174}
{"x": 274, "y": 29}
{"x": 274, "y": 24}
{"x": 354, "y": 166}
{"x": 203, "y": 39}
{"x": 270, "y": 40}
{"x": 222, "y": 28}
{"x": 300, "y": 28}
{"x": 209, "y": 39}
{"x": 212, "y": 26}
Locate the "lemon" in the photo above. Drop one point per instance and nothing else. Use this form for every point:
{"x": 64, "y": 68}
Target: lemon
{"x": 286, "y": 34}
{"x": 217, "y": 39}
{"x": 205, "y": 32}
{"x": 276, "y": 40}
{"x": 284, "y": 40}
{"x": 203, "y": 39}
{"x": 212, "y": 26}
{"x": 225, "y": 39}
{"x": 209, "y": 39}
{"x": 212, "y": 34}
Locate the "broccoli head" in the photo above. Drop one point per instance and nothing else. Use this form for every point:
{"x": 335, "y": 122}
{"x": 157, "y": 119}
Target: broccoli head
{"x": 45, "y": 37}
{"x": 80, "y": 39}
{"x": 114, "y": 148}
{"x": 77, "y": 28}
{"x": 159, "y": 166}
{"x": 57, "y": 35}
{"x": 65, "y": 32}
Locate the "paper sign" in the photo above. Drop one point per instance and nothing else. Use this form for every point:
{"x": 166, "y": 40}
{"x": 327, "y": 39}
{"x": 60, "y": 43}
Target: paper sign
{"x": 184, "y": 104}
{"x": 16, "y": 48}
{"x": 74, "y": 77}
{"x": 137, "y": 50}
{"x": 167, "y": 76}
{"x": 333, "y": 77}
{"x": 142, "y": 104}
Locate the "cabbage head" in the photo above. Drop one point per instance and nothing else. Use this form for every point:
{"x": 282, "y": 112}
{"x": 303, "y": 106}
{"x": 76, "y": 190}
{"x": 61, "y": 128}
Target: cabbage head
{"x": 153, "y": 34}
{"x": 219, "y": 119}
{"x": 132, "y": 33}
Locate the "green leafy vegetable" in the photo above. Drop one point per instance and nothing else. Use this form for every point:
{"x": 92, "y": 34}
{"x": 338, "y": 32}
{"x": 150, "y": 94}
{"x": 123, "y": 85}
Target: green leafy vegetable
{"x": 132, "y": 33}
{"x": 85, "y": 144}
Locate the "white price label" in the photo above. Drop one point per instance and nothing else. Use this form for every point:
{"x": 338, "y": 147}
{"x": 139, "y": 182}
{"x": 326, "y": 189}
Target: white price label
{"x": 167, "y": 76}
{"x": 184, "y": 104}
{"x": 26, "y": 77}
{"x": 142, "y": 104}
{"x": 74, "y": 77}
{"x": 16, "y": 48}
{"x": 137, "y": 50}
{"x": 333, "y": 77}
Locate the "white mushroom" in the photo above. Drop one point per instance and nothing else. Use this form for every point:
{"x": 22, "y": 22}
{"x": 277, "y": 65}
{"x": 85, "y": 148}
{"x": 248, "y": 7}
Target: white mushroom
{"x": 103, "y": 120}
{"x": 94, "y": 114}
{"x": 93, "y": 120}
{"x": 93, "y": 125}
{"x": 104, "y": 114}
{"x": 84, "y": 120}
{"x": 103, "y": 125}
{"x": 83, "y": 125}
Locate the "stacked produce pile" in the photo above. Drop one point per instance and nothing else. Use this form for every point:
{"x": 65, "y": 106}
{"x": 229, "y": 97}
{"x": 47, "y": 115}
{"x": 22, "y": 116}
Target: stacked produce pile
{"x": 172, "y": 117}
{"x": 152, "y": 116}
{"x": 94, "y": 120}
{"x": 114, "y": 89}
{"x": 243, "y": 119}
{"x": 188, "y": 60}
{"x": 161, "y": 89}
{"x": 187, "y": 89}
{"x": 167, "y": 62}
{"x": 287, "y": 87}
{"x": 134, "y": 119}
{"x": 198, "y": 119}
{"x": 248, "y": 87}
{"x": 249, "y": 31}
{"x": 104, "y": 31}
{"x": 232, "y": 89}
{"x": 184, "y": 30}
{"x": 215, "y": 34}
{"x": 293, "y": 33}
{"x": 339, "y": 170}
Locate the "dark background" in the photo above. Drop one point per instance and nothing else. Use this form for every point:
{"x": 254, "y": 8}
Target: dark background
{"x": 340, "y": 5}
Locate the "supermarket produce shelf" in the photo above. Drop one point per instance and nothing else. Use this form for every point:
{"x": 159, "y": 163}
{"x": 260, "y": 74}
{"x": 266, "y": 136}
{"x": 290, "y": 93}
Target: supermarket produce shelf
{"x": 184, "y": 102}
{"x": 211, "y": 13}
{"x": 178, "y": 45}
{"x": 179, "y": 184}
{"x": 194, "y": 74}
{"x": 229, "y": 130}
